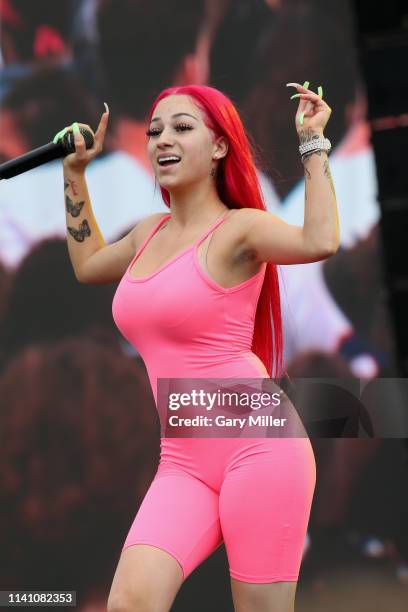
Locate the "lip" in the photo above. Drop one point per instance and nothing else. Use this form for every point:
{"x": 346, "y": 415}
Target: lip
{"x": 166, "y": 168}
{"x": 166, "y": 155}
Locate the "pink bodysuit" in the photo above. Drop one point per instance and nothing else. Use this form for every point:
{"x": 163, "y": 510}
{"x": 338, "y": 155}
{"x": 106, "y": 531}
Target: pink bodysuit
{"x": 253, "y": 494}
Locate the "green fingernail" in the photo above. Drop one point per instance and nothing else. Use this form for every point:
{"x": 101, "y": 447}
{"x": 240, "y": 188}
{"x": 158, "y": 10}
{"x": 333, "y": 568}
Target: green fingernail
{"x": 295, "y": 96}
{"x": 306, "y": 84}
{"x": 75, "y": 128}
{"x": 302, "y": 116}
{"x": 56, "y": 137}
{"x": 320, "y": 91}
{"x": 59, "y": 135}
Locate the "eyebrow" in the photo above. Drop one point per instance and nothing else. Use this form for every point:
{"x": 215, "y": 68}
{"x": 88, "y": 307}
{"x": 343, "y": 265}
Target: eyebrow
{"x": 175, "y": 115}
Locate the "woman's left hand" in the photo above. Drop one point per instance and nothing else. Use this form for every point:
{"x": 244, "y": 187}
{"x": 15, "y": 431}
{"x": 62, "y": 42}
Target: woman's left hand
{"x": 313, "y": 112}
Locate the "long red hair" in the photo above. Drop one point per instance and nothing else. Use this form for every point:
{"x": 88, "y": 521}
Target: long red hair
{"x": 238, "y": 187}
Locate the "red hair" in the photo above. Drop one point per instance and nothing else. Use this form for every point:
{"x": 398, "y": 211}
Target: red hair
{"x": 238, "y": 187}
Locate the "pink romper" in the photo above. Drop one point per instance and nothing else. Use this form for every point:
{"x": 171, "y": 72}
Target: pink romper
{"x": 253, "y": 494}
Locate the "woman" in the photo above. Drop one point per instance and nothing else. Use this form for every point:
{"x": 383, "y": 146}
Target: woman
{"x": 189, "y": 310}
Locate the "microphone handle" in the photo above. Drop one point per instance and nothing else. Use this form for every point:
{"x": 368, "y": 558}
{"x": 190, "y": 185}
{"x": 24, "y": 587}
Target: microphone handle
{"x": 42, "y": 155}
{"x": 30, "y": 160}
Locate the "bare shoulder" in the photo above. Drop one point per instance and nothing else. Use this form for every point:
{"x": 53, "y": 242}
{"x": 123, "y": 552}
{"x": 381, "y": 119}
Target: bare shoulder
{"x": 237, "y": 225}
{"x": 242, "y": 223}
{"x": 143, "y": 228}
{"x": 245, "y": 214}
{"x": 241, "y": 216}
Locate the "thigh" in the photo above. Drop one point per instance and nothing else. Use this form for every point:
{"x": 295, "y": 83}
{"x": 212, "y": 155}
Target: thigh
{"x": 265, "y": 503}
{"x": 179, "y": 515}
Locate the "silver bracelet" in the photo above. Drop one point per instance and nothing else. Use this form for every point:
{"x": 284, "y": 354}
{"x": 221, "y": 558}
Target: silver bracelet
{"x": 322, "y": 144}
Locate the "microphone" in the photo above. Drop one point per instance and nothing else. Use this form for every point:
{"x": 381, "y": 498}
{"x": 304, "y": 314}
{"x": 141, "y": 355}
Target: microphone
{"x": 44, "y": 154}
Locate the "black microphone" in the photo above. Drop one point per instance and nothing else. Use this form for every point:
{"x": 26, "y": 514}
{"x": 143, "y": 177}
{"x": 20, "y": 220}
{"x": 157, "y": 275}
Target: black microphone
{"x": 44, "y": 154}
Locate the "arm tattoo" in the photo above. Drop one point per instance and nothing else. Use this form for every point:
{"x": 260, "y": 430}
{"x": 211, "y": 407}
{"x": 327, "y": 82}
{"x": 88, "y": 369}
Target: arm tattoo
{"x": 307, "y": 156}
{"x": 327, "y": 173}
{"x": 81, "y": 233}
{"x": 307, "y": 174}
{"x": 308, "y": 135}
{"x": 72, "y": 207}
{"x": 74, "y": 186}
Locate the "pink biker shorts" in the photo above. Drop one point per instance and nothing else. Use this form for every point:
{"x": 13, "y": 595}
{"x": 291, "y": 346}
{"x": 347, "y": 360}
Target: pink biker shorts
{"x": 254, "y": 495}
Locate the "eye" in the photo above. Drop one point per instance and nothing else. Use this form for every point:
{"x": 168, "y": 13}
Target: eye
{"x": 183, "y": 127}
{"x": 180, "y": 126}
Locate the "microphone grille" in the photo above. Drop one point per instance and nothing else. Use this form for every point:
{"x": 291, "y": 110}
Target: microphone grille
{"x": 68, "y": 140}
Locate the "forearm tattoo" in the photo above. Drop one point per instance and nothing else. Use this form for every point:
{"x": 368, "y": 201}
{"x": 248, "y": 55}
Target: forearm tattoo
{"x": 327, "y": 173}
{"x": 72, "y": 207}
{"x": 308, "y": 135}
{"x": 81, "y": 233}
{"x": 73, "y": 185}
{"x": 307, "y": 156}
{"x": 308, "y": 176}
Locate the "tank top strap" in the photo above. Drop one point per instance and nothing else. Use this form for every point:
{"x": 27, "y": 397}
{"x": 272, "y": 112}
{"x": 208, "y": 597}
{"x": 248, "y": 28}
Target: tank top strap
{"x": 165, "y": 218}
{"x": 152, "y": 233}
{"x": 213, "y": 227}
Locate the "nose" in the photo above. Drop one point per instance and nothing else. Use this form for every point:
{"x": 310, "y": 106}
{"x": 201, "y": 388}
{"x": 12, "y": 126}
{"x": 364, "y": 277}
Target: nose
{"x": 164, "y": 139}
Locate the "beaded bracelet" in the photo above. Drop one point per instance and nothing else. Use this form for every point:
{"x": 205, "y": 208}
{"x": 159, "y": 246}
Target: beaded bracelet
{"x": 317, "y": 144}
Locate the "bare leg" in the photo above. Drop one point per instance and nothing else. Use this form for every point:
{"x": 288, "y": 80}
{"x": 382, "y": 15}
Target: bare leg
{"x": 263, "y": 597}
{"x": 147, "y": 579}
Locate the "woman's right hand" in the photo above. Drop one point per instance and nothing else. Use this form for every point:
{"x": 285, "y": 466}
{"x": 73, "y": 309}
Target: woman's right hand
{"x": 78, "y": 160}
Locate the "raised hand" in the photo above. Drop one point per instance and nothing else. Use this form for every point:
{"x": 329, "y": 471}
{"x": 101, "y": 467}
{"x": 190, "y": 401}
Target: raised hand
{"x": 78, "y": 160}
{"x": 313, "y": 113}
